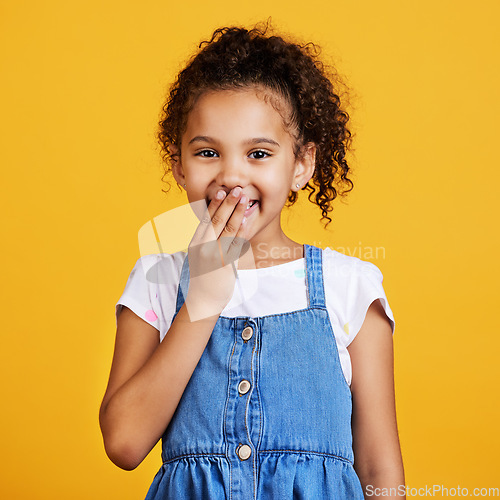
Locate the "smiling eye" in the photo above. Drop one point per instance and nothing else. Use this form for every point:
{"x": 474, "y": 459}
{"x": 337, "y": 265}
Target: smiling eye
{"x": 259, "y": 154}
{"x": 206, "y": 153}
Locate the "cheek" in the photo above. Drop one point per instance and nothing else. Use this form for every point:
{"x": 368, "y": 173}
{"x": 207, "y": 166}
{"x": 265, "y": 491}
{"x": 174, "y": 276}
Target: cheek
{"x": 195, "y": 176}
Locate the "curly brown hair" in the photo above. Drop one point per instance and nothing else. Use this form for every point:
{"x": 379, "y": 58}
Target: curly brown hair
{"x": 235, "y": 57}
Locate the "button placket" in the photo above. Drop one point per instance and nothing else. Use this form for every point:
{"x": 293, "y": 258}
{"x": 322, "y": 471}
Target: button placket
{"x": 239, "y": 411}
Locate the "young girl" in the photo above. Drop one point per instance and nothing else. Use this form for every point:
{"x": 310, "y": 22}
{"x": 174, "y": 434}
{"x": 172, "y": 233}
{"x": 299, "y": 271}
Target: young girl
{"x": 265, "y": 365}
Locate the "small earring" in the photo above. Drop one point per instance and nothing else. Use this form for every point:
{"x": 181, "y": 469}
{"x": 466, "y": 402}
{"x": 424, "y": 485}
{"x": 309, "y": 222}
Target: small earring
{"x": 297, "y": 186}
{"x": 184, "y": 185}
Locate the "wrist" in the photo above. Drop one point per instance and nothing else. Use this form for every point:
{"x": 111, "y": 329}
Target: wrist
{"x": 199, "y": 307}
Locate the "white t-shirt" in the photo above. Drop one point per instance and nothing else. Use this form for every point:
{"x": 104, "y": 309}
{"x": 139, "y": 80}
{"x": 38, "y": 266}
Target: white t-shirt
{"x": 351, "y": 285}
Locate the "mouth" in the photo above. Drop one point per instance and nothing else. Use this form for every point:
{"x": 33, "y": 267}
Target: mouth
{"x": 251, "y": 207}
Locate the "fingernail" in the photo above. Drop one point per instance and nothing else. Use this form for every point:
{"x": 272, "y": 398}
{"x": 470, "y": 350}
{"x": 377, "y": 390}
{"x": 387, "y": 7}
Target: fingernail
{"x": 236, "y": 191}
{"x": 220, "y": 194}
{"x": 244, "y": 200}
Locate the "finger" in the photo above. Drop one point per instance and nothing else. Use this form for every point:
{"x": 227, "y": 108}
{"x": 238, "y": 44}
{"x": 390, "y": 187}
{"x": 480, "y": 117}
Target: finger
{"x": 208, "y": 250}
{"x": 233, "y": 227}
{"x": 239, "y": 244}
{"x": 204, "y": 248}
{"x": 222, "y": 217}
{"x": 206, "y": 219}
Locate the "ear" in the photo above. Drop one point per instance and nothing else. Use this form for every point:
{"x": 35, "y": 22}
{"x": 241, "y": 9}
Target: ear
{"x": 177, "y": 171}
{"x": 304, "y": 166}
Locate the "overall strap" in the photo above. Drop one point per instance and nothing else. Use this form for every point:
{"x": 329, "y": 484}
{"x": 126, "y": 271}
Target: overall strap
{"x": 183, "y": 285}
{"x": 314, "y": 276}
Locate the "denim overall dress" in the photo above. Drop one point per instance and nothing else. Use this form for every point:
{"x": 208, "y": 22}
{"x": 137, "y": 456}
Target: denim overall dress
{"x": 267, "y": 412}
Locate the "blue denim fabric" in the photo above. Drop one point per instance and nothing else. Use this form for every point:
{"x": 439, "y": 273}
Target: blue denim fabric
{"x": 296, "y": 417}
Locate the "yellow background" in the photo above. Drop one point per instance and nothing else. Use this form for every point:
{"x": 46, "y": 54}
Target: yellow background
{"x": 82, "y": 83}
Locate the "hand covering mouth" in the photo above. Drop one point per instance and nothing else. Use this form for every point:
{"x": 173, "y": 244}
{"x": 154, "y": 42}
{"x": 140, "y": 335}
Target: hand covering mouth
{"x": 250, "y": 204}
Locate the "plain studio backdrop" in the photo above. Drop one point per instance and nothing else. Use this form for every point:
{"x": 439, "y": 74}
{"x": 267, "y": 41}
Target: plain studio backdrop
{"x": 81, "y": 89}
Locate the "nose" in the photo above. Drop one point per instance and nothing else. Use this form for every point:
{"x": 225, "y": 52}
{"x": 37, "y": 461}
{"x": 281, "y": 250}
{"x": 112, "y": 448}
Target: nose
{"x": 232, "y": 173}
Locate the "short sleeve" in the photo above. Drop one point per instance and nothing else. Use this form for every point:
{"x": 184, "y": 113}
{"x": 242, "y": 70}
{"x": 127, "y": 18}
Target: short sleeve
{"x": 140, "y": 295}
{"x": 364, "y": 288}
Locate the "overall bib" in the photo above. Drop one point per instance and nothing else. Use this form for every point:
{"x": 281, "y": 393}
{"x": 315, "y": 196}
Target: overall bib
{"x": 267, "y": 412}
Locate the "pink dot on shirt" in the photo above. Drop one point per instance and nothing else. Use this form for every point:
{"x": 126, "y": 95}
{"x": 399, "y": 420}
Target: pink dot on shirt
{"x": 151, "y": 316}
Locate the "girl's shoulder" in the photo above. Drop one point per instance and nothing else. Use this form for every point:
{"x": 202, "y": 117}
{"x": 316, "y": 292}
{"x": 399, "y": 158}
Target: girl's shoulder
{"x": 151, "y": 289}
{"x": 351, "y": 285}
{"x": 160, "y": 268}
{"x": 348, "y": 266}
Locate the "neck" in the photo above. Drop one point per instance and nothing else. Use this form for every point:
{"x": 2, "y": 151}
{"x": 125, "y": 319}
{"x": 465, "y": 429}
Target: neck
{"x": 266, "y": 252}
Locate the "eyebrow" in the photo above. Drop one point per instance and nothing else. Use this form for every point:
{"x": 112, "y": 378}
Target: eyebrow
{"x": 250, "y": 142}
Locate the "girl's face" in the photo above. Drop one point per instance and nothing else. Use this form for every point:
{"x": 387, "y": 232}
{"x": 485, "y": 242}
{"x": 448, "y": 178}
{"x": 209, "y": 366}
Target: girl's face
{"x": 235, "y": 138}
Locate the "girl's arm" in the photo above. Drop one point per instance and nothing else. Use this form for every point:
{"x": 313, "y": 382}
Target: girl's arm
{"x": 377, "y": 453}
{"x": 147, "y": 380}
{"x": 147, "y": 377}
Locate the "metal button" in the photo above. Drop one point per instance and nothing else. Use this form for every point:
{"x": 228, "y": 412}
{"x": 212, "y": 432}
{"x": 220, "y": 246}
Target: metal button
{"x": 244, "y": 386}
{"x": 244, "y": 451}
{"x": 247, "y": 333}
